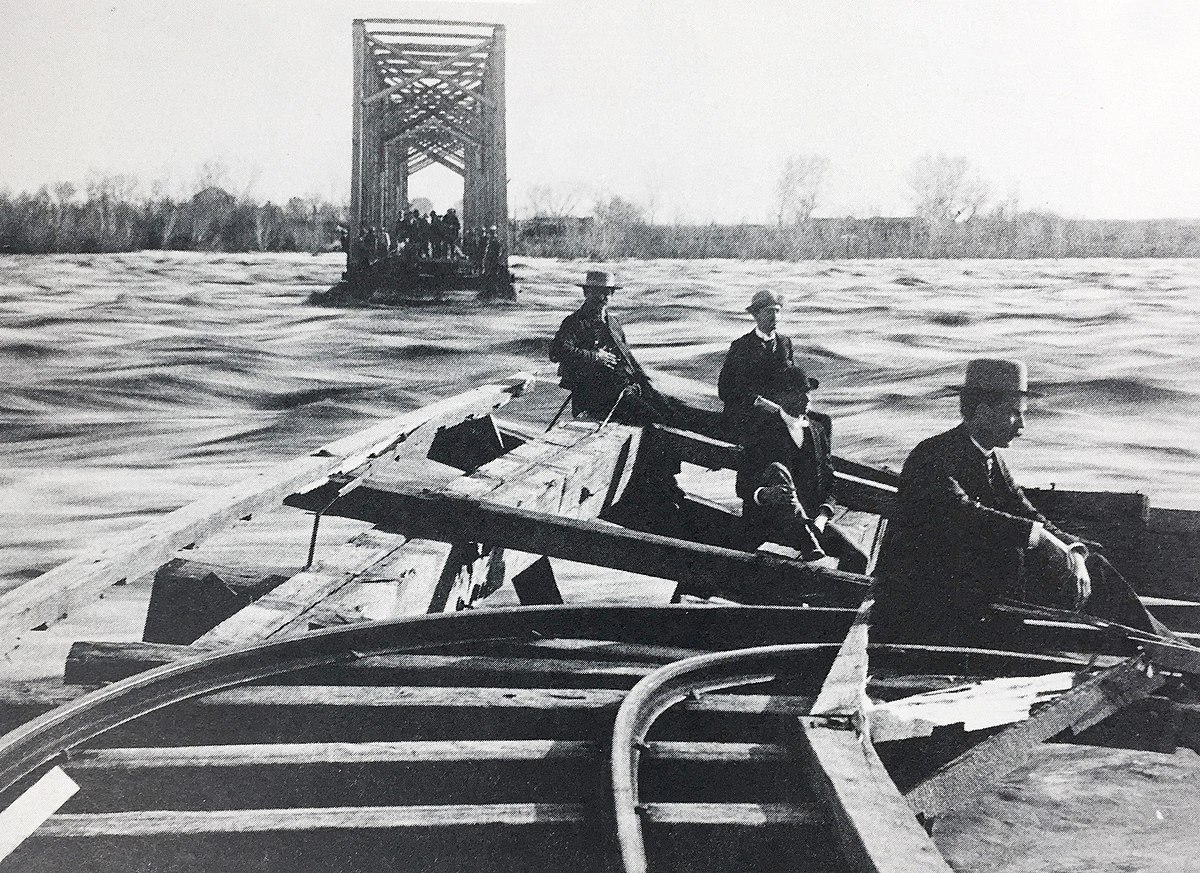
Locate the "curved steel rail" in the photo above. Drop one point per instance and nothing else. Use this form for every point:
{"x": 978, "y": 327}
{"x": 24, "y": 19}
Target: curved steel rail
{"x": 659, "y": 691}
{"x": 39, "y": 741}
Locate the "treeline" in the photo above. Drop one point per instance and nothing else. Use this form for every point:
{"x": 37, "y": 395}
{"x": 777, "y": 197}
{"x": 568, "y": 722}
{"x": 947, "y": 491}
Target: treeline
{"x": 111, "y": 216}
{"x": 1026, "y": 235}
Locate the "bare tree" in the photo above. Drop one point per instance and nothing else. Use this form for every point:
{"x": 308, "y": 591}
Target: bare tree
{"x": 549, "y": 202}
{"x": 213, "y": 174}
{"x": 618, "y": 211}
{"x": 946, "y": 188}
{"x": 799, "y": 187}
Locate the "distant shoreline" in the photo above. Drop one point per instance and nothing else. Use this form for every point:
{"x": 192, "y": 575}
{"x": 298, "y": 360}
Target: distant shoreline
{"x": 1023, "y": 237}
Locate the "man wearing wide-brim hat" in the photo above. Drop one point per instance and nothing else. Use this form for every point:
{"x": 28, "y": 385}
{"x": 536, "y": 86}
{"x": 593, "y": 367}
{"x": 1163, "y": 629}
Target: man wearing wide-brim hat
{"x": 606, "y": 382}
{"x": 752, "y": 362}
{"x": 964, "y": 536}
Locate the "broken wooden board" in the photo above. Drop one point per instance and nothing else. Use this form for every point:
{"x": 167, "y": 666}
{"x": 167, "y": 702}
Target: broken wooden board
{"x": 1086, "y": 705}
{"x": 46, "y": 599}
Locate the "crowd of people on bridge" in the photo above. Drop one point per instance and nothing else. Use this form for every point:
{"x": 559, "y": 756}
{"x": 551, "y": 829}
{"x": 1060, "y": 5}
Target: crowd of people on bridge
{"x": 416, "y": 236}
{"x": 963, "y": 536}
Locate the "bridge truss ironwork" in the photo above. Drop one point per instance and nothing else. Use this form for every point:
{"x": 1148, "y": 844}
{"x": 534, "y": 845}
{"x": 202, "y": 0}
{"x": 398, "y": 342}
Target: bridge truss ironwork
{"x": 425, "y": 93}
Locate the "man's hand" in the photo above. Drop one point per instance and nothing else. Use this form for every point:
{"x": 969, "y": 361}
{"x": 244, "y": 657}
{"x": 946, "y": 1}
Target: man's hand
{"x": 1065, "y": 570}
{"x": 607, "y": 358}
{"x": 1083, "y": 581}
{"x": 778, "y": 495}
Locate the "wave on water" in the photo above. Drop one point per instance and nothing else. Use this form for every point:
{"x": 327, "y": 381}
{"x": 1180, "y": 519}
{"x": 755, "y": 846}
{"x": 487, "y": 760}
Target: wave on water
{"x": 161, "y": 365}
{"x": 1125, "y": 391}
{"x": 951, "y": 319}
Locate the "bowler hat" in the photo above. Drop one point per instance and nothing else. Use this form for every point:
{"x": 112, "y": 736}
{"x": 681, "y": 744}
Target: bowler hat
{"x": 793, "y": 377}
{"x": 997, "y": 376}
{"x": 600, "y": 279}
{"x": 762, "y": 299}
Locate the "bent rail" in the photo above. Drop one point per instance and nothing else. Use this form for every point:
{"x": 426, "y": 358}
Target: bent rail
{"x": 674, "y": 683}
{"x": 37, "y": 742}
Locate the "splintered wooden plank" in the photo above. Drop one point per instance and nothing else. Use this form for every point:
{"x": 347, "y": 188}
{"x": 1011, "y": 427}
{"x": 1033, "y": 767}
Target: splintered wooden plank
{"x": 844, "y": 691}
{"x": 283, "y": 605}
{"x": 975, "y": 706}
{"x": 46, "y": 599}
{"x": 155, "y": 823}
{"x": 1089, "y": 703}
{"x": 405, "y": 582}
{"x": 749, "y": 815}
{"x": 876, "y": 828}
{"x": 295, "y": 754}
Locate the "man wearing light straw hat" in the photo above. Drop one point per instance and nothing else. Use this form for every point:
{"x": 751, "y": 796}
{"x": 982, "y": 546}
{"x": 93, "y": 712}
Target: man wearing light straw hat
{"x": 965, "y": 536}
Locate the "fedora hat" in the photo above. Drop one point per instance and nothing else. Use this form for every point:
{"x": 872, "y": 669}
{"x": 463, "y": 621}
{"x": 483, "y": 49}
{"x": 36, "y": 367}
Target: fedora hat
{"x": 600, "y": 279}
{"x": 763, "y": 299}
{"x": 997, "y": 376}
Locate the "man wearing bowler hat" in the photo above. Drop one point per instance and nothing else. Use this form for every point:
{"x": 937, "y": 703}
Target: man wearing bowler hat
{"x": 786, "y": 477}
{"x": 964, "y": 535}
{"x": 606, "y": 382}
{"x": 752, "y": 362}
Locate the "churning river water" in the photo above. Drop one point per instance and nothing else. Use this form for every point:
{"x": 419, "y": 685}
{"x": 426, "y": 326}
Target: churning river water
{"x": 131, "y": 384}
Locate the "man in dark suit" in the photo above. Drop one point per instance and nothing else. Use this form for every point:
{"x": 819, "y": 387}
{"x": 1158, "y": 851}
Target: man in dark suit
{"x": 786, "y": 477}
{"x": 597, "y": 366}
{"x": 964, "y": 535}
{"x": 752, "y": 361}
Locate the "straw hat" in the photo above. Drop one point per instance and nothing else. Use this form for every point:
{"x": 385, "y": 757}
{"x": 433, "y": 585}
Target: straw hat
{"x": 997, "y": 376}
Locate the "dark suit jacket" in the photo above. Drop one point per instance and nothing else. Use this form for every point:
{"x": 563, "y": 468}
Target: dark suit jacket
{"x": 574, "y": 348}
{"x": 956, "y": 541}
{"x": 811, "y": 467}
{"x": 747, "y": 372}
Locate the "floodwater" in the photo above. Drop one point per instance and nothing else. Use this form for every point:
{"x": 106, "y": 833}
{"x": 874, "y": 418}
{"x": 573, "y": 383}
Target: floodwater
{"x": 131, "y": 384}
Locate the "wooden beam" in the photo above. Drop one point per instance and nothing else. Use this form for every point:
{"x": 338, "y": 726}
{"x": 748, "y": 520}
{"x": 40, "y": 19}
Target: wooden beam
{"x": 844, "y": 692}
{"x": 297, "y": 754}
{"x": 91, "y": 663}
{"x": 744, "y": 576}
{"x": 877, "y": 830}
{"x": 46, "y": 599}
{"x": 235, "y": 755}
{"x": 150, "y": 823}
{"x": 283, "y": 605}
{"x": 698, "y": 449}
{"x": 748, "y": 815}
{"x": 1086, "y": 705}
{"x": 482, "y": 697}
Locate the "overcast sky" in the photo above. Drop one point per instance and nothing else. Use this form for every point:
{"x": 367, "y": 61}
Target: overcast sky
{"x": 1090, "y": 108}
